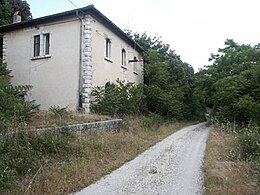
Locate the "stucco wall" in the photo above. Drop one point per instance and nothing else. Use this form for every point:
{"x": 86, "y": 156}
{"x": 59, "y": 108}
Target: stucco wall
{"x": 55, "y": 80}
{"x": 104, "y": 70}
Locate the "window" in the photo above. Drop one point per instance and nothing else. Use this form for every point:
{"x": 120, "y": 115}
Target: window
{"x": 135, "y": 65}
{"x": 41, "y": 45}
{"x": 108, "y": 48}
{"x": 36, "y": 46}
{"x": 46, "y": 43}
{"x": 123, "y": 58}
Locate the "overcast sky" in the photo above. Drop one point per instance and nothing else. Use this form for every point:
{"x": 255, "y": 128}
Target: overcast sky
{"x": 193, "y": 28}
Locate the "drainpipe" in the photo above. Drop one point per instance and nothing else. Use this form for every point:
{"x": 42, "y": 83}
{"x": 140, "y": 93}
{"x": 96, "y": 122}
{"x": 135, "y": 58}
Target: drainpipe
{"x": 80, "y": 61}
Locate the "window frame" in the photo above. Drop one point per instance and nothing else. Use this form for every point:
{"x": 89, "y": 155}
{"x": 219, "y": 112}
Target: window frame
{"x": 41, "y": 45}
{"x": 108, "y": 49}
{"x": 123, "y": 59}
{"x": 36, "y": 45}
{"x": 46, "y": 44}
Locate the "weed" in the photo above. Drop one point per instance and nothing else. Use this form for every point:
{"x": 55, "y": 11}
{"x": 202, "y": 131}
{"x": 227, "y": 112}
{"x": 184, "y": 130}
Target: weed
{"x": 153, "y": 170}
{"x": 225, "y": 171}
{"x": 66, "y": 163}
{"x": 23, "y": 152}
{"x": 57, "y": 111}
{"x": 249, "y": 141}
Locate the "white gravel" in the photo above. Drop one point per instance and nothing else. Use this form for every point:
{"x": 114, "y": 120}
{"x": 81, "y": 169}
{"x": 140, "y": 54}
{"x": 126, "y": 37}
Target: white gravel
{"x": 173, "y": 166}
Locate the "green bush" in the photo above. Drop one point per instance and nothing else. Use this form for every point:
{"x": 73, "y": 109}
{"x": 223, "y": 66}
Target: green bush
{"x": 152, "y": 122}
{"x": 13, "y": 108}
{"x": 249, "y": 141}
{"x": 57, "y": 111}
{"x": 118, "y": 99}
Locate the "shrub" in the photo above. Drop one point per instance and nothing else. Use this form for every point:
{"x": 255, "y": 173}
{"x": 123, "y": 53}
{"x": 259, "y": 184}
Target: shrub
{"x": 13, "y": 108}
{"x": 118, "y": 99}
{"x": 249, "y": 141}
{"x": 25, "y": 152}
{"x": 57, "y": 111}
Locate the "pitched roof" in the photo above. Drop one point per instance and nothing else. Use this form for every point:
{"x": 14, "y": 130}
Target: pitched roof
{"x": 74, "y": 13}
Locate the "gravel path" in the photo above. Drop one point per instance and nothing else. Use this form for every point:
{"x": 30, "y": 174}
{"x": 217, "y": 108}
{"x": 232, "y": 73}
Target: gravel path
{"x": 173, "y": 166}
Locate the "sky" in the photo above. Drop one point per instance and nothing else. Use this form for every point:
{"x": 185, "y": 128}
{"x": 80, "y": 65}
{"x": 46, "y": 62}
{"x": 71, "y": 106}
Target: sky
{"x": 193, "y": 28}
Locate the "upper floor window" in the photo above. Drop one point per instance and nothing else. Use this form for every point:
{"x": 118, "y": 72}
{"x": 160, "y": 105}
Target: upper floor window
{"x": 36, "y": 46}
{"x": 41, "y": 45}
{"x": 46, "y": 44}
{"x": 123, "y": 57}
{"x": 108, "y": 48}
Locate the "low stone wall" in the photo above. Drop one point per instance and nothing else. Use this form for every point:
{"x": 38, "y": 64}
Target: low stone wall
{"x": 100, "y": 126}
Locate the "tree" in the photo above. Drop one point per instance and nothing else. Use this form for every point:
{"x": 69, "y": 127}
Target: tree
{"x": 7, "y": 9}
{"x": 169, "y": 82}
{"x": 231, "y": 85}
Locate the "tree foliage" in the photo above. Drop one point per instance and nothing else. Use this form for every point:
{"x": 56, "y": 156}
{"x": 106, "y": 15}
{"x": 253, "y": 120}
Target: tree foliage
{"x": 231, "y": 85}
{"x": 168, "y": 89}
{"x": 169, "y": 82}
{"x": 118, "y": 99}
{"x": 7, "y": 9}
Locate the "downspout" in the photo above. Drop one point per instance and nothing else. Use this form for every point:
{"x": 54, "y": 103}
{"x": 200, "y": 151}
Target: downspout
{"x": 80, "y": 101}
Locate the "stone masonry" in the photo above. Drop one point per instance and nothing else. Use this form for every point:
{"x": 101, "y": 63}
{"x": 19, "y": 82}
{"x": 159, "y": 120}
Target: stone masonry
{"x": 4, "y": 48}
{"x": 86, "y": 63}
{"x": 94, "y": 127}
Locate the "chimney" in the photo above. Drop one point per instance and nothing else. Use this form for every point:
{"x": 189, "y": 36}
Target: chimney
{"x": 17, "y": 18}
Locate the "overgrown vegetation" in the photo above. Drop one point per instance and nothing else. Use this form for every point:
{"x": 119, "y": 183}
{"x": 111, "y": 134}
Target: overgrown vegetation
{"x": 231, "y": 87}
{"x": 249, "y": 142}
{"x": 52, "y": 163}
{"x": 168, "y": 89}
{"x": 25, "y": 152}
{"x": 13, "y": 108}
{"x": 228, "y": 170}
{"x": 118, "y": 99}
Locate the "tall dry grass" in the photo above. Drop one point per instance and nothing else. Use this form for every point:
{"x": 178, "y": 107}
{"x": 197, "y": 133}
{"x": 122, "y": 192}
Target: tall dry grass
{"x": 225, "y": 172}
{"x": 98, "y": 155}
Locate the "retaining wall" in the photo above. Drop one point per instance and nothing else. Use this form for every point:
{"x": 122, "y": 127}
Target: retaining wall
{"x": 100, "y": 126}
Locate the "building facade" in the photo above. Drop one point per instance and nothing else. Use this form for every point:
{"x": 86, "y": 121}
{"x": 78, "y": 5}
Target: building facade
{"x": 63, "y": 56}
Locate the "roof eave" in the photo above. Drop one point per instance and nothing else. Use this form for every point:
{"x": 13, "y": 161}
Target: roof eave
{"x": 74, "y": 13}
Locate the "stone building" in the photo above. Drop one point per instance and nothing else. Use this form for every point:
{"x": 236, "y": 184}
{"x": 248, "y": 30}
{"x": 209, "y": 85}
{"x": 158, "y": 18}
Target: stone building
{"x": 63, "y": 56}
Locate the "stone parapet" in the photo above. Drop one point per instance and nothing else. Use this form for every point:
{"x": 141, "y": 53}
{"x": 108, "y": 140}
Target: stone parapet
{"x": 94, "y": 127}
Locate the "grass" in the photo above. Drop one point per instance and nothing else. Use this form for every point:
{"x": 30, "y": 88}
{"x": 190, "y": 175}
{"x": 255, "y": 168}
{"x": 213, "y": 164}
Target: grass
{"x": 90, "y": 157}
{"x": 48, "y": 119}
{"x": 225, "y": 171}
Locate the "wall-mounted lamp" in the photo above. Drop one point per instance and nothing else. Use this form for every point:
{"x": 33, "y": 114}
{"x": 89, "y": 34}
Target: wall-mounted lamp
{"x": 135, "y": 60}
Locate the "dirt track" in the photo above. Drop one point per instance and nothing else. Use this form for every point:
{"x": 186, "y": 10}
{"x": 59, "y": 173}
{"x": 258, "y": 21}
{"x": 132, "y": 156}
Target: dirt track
{"x": 173, "y": 166}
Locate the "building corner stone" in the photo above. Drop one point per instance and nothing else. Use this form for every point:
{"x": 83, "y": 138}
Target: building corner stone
{"x": 4, "y": 60}
{"x": 86, "y": 62}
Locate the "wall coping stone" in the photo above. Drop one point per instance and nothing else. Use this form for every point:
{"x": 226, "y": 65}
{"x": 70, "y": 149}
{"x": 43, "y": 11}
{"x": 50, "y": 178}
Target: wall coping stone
{"x": 112, "y": 125}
